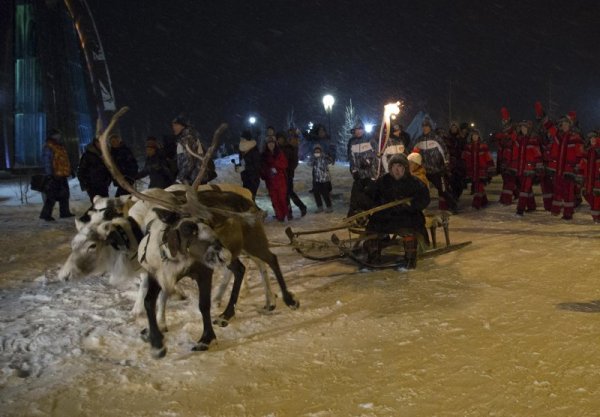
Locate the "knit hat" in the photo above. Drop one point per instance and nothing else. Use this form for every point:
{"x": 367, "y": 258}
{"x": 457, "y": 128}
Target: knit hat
{"x": 246, "y": 135}
{"x": 427, "y": 122}
{"x": 416, "y": 158}
{"x": 317, "y": 146}
{"x": 54, "y": 134}
{"x": 180, "y": 120}
{"x": 359, "y": 124}
{"x": 398, "y": 158}
{"x": 565, "y": 119}
{"x": 396, "y": 127}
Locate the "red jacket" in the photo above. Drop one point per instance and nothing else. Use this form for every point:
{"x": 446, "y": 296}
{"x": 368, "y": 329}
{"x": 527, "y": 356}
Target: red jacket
{"x": 526, "y": 156}
{"x": 590, "y": 167}
{"x": 478, "y": 160}
{"x": 273, "y": 169}
{"x": 565, "y": 153}
{"x": 505, "y": 142}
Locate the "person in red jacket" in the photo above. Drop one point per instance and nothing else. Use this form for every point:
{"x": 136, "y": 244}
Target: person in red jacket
{"x": 526, "y": 164}
{"x": 273, "y": 172}
{"x": 479, "y": 166}
{"x": 505, "y": 142}
{"x": 546, "y": 130}
{"x": 590, "y": 168}
{"x": 565, "y": 153}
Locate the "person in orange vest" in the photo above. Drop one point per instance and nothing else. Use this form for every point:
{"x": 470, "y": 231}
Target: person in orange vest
{"x": 526, "y": 164}
{"x": 565, "y": 154}
{"x": 57, "y": 168}
{"x": 590, "y": 169}
{"x": 479, "y": 167}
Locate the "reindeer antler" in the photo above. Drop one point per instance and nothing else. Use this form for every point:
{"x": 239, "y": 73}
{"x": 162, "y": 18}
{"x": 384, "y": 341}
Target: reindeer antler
{"x": 208, "y": 155}
{"x": 117, "y": 175}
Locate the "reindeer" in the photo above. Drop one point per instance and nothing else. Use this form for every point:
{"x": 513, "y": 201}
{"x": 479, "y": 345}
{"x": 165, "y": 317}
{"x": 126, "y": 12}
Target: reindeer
{"x": 190, "y": 230}
{"x": 101, "y": 247}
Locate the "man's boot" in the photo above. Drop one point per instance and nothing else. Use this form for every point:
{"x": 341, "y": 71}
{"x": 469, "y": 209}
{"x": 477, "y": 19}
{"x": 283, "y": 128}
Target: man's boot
{"x": 410, "y": 251}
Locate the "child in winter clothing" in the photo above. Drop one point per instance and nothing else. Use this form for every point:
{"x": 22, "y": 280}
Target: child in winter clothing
{"x": 480, "y": 167}
{"x": 156, "y": 166}
{"x": 321, "y": 178}
{"x": 415, "y": 165}
{"x": 273, "y": 168}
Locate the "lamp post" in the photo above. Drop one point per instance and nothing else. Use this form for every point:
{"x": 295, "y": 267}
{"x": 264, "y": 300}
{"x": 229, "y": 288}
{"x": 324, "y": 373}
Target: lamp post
{"x": 328, "y": 101}
{"x": 252, "y": 122}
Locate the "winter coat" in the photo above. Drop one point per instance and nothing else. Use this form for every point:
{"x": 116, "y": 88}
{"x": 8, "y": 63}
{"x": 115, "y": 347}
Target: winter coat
{"x": 434, "y": 153}
{"x": 455, "y": 144}
{"x": 157, "y": 168}
{"x": 526, "y": 157}
{"x": 387, "y": 189}
{"x": 125, "y": 162}
{"x": 565, "y": 153}
{"x": 188, "y": 165}
{"x": 590, "y": 169}
{"x": 362, "y": 156}
{"x": 92, "y": 173}
{"x": 291, "y": 154}
{"x": 57, "y": 168}
{"x": 320, "y": 168}
{"x": 56, "y": 159}
{"x": 273, "y": 168}
{"x": 394, "y": 145}
{"x": 420, "y": 173}
{"x": 478, "y": 161}
{"x": 250, "y": 163}
{"x": 505, "y": 143}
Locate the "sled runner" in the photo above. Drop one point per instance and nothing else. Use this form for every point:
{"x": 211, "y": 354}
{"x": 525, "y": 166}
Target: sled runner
{"x": 372, "y": 250}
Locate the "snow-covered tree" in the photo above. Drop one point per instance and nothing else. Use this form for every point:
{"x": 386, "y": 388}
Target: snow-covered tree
{"x": 345, "y": 131}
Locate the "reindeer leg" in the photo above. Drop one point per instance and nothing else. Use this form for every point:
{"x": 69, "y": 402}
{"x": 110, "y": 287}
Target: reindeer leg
{"x": 153, "y": 334}
{"x": 264, "y": 275}
{"x": 161, "y": 310}
{"x": 238, "y": 269}
{"x": 138, "y": 308}
{"x": 204, "y": 280}
{"x": 288, "y": 297}
{"x": 223, "y": 283}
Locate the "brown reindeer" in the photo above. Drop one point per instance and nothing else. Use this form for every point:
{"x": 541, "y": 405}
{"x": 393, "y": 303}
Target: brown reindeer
{"x": 193, "y": 236}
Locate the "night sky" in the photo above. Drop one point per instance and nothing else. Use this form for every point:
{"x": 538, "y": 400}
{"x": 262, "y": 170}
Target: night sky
{"x": 224, "y": 60}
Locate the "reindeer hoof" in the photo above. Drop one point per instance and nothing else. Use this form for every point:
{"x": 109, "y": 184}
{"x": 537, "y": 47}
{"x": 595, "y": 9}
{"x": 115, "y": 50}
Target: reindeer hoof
{"x": 221, "y": 321}
{"x": 291, "y": 301}
{"x": 159, "y": 353}
{"x": 200, "y": 347}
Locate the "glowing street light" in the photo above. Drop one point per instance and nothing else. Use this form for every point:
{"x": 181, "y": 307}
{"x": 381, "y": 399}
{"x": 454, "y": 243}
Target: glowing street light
{"x": 472, "y": 124}
{"x": 328, "y": 101}
{"x": 368, "y": 127}
{"x": 252, "y": 120}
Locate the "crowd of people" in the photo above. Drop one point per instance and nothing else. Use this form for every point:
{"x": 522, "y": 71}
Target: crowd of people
{"x": 550, "y": 153}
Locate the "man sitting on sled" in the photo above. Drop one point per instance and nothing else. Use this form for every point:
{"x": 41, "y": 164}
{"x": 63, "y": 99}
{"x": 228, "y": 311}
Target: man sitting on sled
{"x": 407, "y": 219}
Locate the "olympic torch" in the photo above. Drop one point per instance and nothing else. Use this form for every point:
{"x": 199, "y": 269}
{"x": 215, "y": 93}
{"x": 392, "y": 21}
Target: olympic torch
{"x": 389, "y": 110}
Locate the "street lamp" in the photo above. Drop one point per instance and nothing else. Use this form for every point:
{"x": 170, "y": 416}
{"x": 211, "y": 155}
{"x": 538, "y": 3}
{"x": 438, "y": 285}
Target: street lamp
{"x": 252, "y": 120}
{"x": 328, "y": 101}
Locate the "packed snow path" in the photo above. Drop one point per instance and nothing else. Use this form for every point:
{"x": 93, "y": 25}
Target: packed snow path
{"x": 508, "y": 326}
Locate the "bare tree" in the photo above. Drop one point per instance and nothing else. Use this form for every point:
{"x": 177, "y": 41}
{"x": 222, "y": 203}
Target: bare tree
{"x": 345, "y": 131}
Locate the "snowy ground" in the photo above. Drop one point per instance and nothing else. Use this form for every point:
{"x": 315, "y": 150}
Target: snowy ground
{"x": 508, "y": 326}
